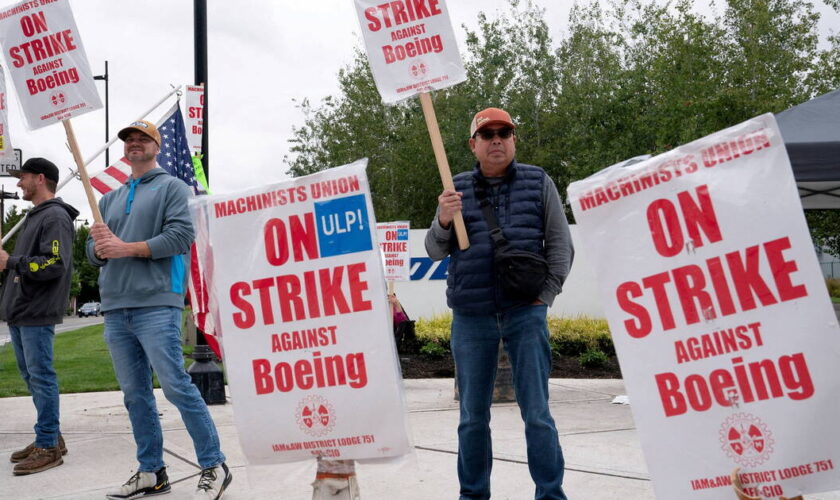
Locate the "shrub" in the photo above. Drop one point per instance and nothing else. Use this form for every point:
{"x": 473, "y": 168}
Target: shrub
{"x": 592, "y": 359}
{"x": 434, "y": 349}
{"x": 833, "y": 285}
{"x": 573, "y": 336}
{"x": 569, "y": 336}
{"x": 435, "y": 328}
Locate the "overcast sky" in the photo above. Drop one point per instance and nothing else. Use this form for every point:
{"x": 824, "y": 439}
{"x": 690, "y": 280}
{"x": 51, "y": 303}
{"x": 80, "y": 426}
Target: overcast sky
{"x": 262, "y": 55}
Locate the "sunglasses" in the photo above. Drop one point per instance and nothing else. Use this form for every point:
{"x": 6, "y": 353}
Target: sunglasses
{"x": 488, "y": 134}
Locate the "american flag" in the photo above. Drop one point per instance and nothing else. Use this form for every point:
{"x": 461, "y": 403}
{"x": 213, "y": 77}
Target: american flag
{"x": 175, "y": 158}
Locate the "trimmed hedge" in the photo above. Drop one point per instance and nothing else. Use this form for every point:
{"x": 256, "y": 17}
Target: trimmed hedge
{"x": 570, "y": 336}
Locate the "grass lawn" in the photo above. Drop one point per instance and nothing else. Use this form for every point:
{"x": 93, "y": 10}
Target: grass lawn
{"x": 835, "y": 300}
{"x": 81, "y": 361}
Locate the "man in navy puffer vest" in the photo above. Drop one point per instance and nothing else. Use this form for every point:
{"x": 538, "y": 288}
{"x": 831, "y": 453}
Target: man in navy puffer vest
{"x": 529, "y": 212}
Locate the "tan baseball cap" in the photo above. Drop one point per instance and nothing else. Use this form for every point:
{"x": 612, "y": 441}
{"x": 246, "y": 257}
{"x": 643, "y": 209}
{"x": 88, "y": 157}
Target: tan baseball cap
{"x": 490, "y": 116}
{"x": 143, "y": 126}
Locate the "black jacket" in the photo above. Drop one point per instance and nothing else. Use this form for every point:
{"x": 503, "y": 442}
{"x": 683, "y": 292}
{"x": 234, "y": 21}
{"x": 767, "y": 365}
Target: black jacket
{"x": 40, "y": 267}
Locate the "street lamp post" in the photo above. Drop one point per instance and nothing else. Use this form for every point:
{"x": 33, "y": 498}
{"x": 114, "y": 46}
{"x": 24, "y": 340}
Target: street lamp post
{"x": 107, "y": 134}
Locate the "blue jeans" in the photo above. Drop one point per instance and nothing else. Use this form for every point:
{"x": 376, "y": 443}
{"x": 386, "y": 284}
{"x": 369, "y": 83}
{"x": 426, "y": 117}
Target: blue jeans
{"x": 34, "y": 353}
{"x": 475, "y": 346}
{"x": 149, "y": 338}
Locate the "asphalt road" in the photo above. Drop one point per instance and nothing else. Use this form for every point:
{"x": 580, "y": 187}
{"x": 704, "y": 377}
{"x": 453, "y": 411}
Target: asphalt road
{"x": 70, "y": 323}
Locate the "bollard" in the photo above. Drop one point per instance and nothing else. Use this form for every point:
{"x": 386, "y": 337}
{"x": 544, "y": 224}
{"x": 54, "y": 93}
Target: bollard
{"x": 207, "y": 376}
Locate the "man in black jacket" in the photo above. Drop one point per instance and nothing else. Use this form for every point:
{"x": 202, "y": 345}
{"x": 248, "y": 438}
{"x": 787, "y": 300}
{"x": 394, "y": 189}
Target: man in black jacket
{"x": 33, "y": 300}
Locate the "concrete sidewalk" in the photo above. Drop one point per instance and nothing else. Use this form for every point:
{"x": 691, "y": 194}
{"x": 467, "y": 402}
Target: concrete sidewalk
{"x": 603, "y": 455}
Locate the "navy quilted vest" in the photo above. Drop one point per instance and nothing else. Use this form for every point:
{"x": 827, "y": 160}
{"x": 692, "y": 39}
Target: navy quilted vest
{"x": 519, "y": 209}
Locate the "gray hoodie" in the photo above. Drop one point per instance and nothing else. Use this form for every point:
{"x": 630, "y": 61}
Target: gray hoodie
{"x": 151, "y": 209}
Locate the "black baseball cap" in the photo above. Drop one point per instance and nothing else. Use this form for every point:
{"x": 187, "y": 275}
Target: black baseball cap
{"x": 37, "y": 166}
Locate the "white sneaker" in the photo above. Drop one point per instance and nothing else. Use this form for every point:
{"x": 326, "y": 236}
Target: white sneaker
{"x": 213, "y": 482}
{"x": 142, "y": 484}
{"x": 332, "y": 488}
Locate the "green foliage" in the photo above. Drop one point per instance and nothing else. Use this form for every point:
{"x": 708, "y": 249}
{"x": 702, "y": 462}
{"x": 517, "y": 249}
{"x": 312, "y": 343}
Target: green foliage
{"x": 573, "y": 336}
{"x": 593, "y": 359}
{"x": 629, "y": 77}
{"x": 825, "y": 229}
{"x": 569, "y": 336}
{"x": 833, "y": 285}
{"x": 435, "y": 328}
{"x": 434, "y": 349}
{"x": 85, "y": 284}
{"x": 433, "y": 334}
{"x": 81, "y": 361}
{"x": 10, "y": 220}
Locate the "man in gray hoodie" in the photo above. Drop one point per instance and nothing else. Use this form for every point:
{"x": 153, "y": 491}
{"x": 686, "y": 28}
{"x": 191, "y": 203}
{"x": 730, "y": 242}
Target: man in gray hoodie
{"x": 33, "y": 302}
{"x": 142, "y": 249}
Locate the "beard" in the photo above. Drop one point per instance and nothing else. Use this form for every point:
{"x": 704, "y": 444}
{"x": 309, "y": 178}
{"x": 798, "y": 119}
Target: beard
{"x": 141, "y": 156}
{"x": 27, "y": 193}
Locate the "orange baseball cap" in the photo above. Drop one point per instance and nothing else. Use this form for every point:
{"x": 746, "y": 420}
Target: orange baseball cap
{"x": 490, "y": 116}
{"x": 143, "y": 126}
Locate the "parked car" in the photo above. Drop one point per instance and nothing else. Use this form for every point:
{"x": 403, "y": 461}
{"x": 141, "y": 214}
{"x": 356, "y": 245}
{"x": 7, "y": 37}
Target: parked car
{"x": 89, "y": 309}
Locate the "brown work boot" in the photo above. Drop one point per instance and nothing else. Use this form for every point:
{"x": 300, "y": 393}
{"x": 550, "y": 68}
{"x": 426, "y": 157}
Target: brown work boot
{"x": 39, "y": 460}
{"x": 20, "y": 455}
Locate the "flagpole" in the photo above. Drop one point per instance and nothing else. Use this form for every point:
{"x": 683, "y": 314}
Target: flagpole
{"x": 92, "y": 158}
{"x": 114, "y": 138}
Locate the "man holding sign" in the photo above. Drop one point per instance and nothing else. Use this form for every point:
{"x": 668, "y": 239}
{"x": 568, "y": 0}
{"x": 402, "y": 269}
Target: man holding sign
{"x": 33, "y": 301}
{"x": 142, "y": 249}
{"x": 529, "y": 214}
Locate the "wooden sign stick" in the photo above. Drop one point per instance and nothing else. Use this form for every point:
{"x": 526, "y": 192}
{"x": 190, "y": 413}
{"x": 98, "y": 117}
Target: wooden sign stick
{"x": 443, "y": 164}
{"x": 80, "y": 165}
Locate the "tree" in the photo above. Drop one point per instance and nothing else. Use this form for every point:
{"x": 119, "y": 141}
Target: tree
{"x": 509, "y": 64}
{"x": 824, "y": 226}
{"x": 12, "y": 217}
{"x": 630, "y": 77}
{"x": 85, "y": 282}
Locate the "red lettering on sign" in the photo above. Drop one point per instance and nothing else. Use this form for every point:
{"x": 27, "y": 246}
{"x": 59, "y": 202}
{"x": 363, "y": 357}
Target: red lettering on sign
{"x": 48, "y": 46}
{"x": 34, "y": 24}
{"x": 697, "y": 215}
{"x": 418, "y": 47}
{"x": 300, "y": 237}
{"x": 757, "y": 381}
{"x": 323, "y": 292}
{"x": 305, "y": 374}
{"x": 400, "y": 12}
{"x": 698, "y": 301}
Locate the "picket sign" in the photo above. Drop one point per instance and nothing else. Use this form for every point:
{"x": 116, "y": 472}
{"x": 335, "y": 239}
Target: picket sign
{"x": 395, "y": 249}
{"x": 412, "y": 50}
{"x": 194, "y": 116}
{"x": 6, "y": 149}
{"x": 727, "y": 339}
{"x": 50, "y": 71}
{"x": 305, "y": 323}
